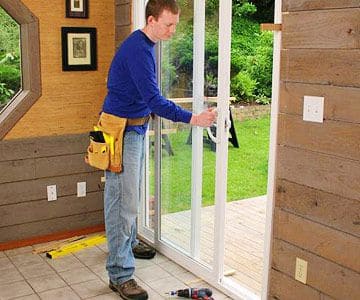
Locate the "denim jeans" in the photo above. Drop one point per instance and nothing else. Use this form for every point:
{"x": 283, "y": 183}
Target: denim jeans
{"x": 121, "y": 201}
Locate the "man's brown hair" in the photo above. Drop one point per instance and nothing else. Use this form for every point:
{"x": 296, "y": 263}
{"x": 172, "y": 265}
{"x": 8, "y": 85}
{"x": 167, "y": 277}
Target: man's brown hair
{"x": 155, "y": 8}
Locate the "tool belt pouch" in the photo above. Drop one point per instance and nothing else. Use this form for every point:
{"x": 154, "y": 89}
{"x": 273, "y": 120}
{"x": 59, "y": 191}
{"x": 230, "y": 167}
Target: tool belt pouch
{"x": 113, "y": 128}
{"x": 98, "y": 155}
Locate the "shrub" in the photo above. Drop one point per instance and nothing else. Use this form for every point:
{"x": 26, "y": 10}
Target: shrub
{"x": 5, "y": 94}
{"x": 9, "y": 33}
{"x": 251, "y": 53}
{"x": 168, "y": 76}
{"x": 243, "y": 87}
{"x": 243, "y": 9}
{"x": 261, "y": 67}
{"x": 10, "y": 75}
{"x": 262, "y": 99}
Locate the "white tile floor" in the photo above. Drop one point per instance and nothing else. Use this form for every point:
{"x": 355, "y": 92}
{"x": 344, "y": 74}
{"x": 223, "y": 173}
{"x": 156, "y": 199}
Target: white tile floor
{"x": 82, "y": 275}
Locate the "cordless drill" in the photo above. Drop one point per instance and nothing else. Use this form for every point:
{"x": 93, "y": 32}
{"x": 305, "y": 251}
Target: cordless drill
{"x": 193, "y": 293}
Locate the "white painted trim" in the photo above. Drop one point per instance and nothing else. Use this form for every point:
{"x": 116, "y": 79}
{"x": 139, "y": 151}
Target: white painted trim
{"x": 272, "y": 152}
{"x": 138, "y": 21}
{"x": 225, "y": 14}
{"x": 203, "y": 271}
{"x": 138, "y": 14}
{"x": 197, "y": 268}
{"x": 240, "y": 291}
{"x": 157, "y": 155}
{"x": 146, "y": 184}
{"x": 197, "y": 132}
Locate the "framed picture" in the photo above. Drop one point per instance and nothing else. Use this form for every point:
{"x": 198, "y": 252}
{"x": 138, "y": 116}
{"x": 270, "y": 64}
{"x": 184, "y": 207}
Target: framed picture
{"x": 77, "y": 8}
{"x": 78, "y": 48}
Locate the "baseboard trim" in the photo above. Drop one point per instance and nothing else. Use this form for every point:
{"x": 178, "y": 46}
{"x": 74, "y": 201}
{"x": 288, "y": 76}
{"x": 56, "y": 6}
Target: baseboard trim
{"x": 50, "y": 237}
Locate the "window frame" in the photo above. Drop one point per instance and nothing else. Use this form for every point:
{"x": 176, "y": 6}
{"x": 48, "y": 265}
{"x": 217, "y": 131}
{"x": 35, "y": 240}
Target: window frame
{"x": 30, "y": 65}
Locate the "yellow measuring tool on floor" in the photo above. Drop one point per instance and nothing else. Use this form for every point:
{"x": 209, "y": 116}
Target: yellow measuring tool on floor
{"x": 76, "y": 246}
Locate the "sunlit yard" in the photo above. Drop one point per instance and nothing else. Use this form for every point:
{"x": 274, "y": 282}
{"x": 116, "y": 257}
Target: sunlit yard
{"x": 247, "y": 167}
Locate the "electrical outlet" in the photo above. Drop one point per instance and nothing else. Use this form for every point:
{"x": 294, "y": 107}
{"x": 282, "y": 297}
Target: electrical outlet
{"x": 301, "y": 270}
{"x": 51, "y": 193}
{"x": 81, "y": 189}
{"x": 102, "y": 179}
{"x": 313, "y": 109}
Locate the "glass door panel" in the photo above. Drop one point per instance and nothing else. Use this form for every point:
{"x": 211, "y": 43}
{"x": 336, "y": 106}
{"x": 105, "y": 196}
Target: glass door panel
{"x": 176, "y": 153}
{"x": 193, "y": 206}
{"x": 247, "y": 171}
{"x": 188, "y": 170}
{"x": 246, "y": 204}
{"x": 189, "y": 162}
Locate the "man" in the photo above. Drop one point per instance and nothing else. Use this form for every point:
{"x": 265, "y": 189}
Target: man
{"x": 133, "y": 93}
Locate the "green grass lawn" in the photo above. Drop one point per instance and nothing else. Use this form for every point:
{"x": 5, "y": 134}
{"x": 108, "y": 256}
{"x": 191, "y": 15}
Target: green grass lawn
{"x": 247, "y": 167}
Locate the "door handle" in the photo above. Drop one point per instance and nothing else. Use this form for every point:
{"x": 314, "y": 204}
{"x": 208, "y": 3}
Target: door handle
{"x": 227, "y": 127}
{"x": 212, "y": 137}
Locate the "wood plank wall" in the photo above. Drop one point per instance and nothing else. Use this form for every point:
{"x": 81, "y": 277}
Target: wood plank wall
{"x": 70, "y": 101}
{"x": 123, "y": 20}
{"x": 27, "y": 167}
{"x": 317, "y": 202}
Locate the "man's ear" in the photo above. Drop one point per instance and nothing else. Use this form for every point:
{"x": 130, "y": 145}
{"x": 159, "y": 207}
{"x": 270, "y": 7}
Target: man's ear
{"x": 151, "y": 20}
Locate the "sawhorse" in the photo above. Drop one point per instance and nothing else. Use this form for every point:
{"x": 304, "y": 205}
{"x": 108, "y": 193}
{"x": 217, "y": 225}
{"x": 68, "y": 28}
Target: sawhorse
{"x": 165, "y": 140}
{"x": 233, "y": 138}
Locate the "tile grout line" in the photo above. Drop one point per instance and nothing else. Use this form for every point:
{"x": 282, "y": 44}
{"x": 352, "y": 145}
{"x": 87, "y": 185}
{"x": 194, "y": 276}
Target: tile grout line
{"x": 58, "y": 274}
{"x": 21, "y": 274}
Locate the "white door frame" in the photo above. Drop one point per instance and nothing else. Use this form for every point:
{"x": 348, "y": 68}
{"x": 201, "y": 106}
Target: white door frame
{"x": 197, "y": 132}
{"x": 215, "y": 277}
{"x": 272, "y": 151}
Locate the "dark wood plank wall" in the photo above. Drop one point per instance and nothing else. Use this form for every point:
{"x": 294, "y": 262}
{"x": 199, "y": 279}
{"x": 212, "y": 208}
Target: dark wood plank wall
{"x": 123, "y": 20}
{"x": 27, "y": 167}
{"x": 317, "y": 202}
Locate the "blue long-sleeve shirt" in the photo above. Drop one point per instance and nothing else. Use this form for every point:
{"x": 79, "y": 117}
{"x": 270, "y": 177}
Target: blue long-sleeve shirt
{"x": 132, "y": 86}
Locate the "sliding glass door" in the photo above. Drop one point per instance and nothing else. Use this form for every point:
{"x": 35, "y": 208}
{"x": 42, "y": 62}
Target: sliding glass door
{"x": 183, "y": 211}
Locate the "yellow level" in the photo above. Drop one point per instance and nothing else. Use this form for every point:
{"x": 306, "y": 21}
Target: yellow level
{"x": 76, "y": 246}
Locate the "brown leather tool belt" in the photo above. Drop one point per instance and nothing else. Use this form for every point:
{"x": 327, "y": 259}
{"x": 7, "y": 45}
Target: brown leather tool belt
{"x": 138, "y": 121}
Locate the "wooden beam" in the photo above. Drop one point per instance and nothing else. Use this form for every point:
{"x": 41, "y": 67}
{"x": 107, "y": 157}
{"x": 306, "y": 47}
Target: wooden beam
{"x": 270, "y": 27}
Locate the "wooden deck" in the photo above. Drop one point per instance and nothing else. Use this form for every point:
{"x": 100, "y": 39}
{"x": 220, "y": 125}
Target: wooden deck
{"x": 244, "y": 238}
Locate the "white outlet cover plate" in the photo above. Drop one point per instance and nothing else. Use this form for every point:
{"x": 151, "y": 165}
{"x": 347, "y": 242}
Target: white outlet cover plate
{"x": 301, "y": 267}
{"x": 51, "y": 193}
{"x": 313, "y": 109}
{"x": 81, "y": 189}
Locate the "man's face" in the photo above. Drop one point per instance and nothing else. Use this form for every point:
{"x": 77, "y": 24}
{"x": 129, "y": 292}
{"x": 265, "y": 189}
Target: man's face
{"x": 165, "y": 26}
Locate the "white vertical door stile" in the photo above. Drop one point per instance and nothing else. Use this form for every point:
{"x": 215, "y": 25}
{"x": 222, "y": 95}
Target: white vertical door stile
{"x": 197, "y": 132}
{"x": 157, "y": 157}
{"x": 272, "y": 149}
{"x": 138, "y": 14}
{"x": 138, "y": 18}
{"x": 225, "y": 12}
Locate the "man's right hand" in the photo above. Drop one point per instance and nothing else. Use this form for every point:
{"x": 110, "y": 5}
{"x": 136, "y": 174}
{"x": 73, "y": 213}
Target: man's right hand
{"x": 204, "y": 119}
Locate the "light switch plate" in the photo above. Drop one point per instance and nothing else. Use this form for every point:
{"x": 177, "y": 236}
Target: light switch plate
{"x": 81, "y": 189}
{"x": 301, "y": 270}
{"x": 313, "y": 109}
{"x": 51, "y": 193}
